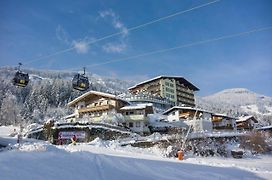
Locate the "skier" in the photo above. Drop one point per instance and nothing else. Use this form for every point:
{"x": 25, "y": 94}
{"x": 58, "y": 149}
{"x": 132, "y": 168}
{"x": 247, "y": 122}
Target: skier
{"x": 74, "y": 139}
{"x": 60, "y": 140}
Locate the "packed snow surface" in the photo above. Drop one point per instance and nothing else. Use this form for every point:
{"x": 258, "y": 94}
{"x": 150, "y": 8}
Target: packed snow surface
{"x": 104, "y": 160}
{"x": 108, "y": 160}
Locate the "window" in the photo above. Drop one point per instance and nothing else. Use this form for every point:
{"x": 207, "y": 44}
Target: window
{"x": 173, "y": 113}
{"x": 130, "y": 124}
{"x": 169, "y": 90}
{"x": 131, "y": 112}
{"x": 138, "y": 124}
{"x": 126, "y": 113}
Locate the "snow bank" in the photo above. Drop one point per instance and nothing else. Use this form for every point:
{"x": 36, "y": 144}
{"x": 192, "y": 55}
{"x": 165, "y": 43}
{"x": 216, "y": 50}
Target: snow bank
{"x": 35, "y": 147}
{"x": 8, "y": 130}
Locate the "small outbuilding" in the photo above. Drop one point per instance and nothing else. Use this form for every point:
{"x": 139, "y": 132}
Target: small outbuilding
{"x": 246, "y": 123}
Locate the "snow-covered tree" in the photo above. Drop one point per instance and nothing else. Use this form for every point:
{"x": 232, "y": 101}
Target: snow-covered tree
{"x": 10, "y": 111}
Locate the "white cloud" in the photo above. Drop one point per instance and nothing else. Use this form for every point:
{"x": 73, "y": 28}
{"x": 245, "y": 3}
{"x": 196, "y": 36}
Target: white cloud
{"x": 114, "y": 47}
{"x": 81, "y": 47}
{"x": 117, "y": 24}
{"x": 120, "y": 45}
{"x": 62, "y": 35}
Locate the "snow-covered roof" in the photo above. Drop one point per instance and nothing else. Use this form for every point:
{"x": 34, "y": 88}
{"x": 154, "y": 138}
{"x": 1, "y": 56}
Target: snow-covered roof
{"x": 70, "y": 116}
{"x": 245, "y": 118}
{"x": 265, "y": 127}
{"x": 166, "y": 123}
{"x": 180, "y": 78}
{"x": 183, "y": 107}
{"x": 111, "y": 96}
{"x": 223, "y": 115}
{"x": 35, "y": 130}
{"x": 86, "y": 124}
{"x": 194, "y": 135}
{"x": 218, "y": 114}
{"x": 138, "y": 106}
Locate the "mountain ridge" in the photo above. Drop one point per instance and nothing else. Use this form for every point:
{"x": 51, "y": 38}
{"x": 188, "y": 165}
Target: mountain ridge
{"x": 238, "y": 102}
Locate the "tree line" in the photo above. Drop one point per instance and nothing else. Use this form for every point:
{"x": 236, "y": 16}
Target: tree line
{"x": 46, "y": 95}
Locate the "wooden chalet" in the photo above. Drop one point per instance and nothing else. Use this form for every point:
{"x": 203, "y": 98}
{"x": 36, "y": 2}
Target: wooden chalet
{"x": 246, "y": 123}
{"x": 186, "y": 115}
{"x": 223, "y": 122}
{"x": 94, "y": 105}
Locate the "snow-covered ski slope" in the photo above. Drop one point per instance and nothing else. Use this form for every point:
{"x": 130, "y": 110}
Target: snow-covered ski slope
{"x": 92, "y": 161}
{"x": 107, "y": 160}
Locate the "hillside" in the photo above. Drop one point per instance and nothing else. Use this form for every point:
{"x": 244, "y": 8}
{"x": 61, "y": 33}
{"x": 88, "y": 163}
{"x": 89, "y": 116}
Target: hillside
{"x": 105, "y": 84}
{"x": 237, "y": 102}
{"x": 48, "y": 93}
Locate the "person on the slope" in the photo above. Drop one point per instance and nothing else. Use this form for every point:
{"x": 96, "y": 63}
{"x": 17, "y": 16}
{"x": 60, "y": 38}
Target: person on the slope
{"x": 74, "y": 139}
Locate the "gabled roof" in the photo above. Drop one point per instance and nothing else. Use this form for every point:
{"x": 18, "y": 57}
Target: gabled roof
{"x": 265, "y": 127}
{"x": 87, "y": 94}
{"x": 185, "y": 107}
{"x": 178, "y": 78}
{"x": 245, "y": 118}
{"x": 70, "y": 116}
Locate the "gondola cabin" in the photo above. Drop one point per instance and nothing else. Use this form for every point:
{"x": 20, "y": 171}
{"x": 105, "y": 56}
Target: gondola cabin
{"x": 80, "y": 82}
{"x": 20, "y": 79}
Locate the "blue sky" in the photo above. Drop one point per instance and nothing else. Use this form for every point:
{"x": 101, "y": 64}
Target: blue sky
{"x": 33, "y": 29}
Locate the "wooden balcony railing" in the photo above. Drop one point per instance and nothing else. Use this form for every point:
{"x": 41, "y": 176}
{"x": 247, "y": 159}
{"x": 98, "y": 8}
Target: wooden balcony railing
{"x": 96, "y": 108}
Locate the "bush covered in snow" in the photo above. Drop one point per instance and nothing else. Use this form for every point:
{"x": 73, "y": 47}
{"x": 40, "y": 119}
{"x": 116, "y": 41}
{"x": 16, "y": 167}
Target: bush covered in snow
{"x": 255, "y": 142}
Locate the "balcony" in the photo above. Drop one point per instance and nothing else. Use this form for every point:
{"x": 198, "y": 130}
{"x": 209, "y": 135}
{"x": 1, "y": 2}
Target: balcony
{"x": 217, "y": 119}
{"x": 96, "y": 108}
{"x": 188, "y": 91}
{"x": 150, "y": 98}
{"x": 135, "y": 117}
{"x": 191, "y": 97}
